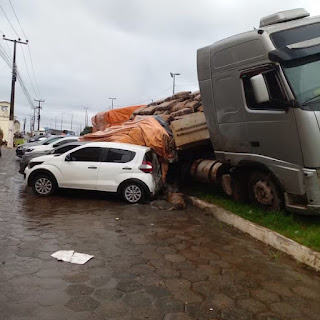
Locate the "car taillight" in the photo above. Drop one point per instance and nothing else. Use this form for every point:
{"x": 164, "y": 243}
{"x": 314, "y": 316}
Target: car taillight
{"x": 146, "y": 167}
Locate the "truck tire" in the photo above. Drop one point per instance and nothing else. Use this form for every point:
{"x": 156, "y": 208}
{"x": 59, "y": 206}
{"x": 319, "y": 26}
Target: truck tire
{"x": 264, "y": 192}
{"x": 43, "y": 185}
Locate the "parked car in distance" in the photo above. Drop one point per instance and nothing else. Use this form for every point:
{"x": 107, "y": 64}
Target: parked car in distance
{"x": 20, "y": 151}
{"x": 129, "y": 170}
{"x": 38, "y": 137}
{"x": 51, "y": 144}
{"x": 55, "y": 151}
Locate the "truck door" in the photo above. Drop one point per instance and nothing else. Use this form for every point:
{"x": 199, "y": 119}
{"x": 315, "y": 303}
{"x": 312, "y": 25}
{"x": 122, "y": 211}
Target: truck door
{"x": 272, "y": 130}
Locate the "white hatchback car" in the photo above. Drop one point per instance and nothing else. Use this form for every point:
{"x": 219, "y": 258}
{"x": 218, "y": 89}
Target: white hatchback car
{"x": 132, "y": 171}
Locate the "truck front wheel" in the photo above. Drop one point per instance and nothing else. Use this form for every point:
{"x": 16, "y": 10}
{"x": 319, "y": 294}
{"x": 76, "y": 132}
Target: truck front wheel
{"x": 264, "y": 191}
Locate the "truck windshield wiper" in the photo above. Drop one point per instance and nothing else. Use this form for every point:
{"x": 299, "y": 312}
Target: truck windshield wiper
{"x": 309, "y": 101}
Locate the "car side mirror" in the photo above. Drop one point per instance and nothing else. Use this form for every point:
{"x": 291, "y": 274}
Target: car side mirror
{"x": 260, "y": 90}
{"x": 68, "y": 157}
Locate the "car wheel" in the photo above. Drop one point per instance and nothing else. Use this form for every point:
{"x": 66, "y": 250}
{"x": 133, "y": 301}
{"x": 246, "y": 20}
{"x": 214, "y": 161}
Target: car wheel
{"x": 264, "y": 191}
{"x": 133, "y": 192}
{"x": 43, "y": 185}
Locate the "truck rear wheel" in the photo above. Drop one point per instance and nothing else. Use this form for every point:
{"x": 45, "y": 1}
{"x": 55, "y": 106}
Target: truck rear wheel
{"x": 264, "y": 191}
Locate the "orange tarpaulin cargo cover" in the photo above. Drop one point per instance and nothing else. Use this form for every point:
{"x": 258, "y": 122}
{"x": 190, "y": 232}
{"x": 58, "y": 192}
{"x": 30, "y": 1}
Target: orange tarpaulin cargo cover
{"x": 144, "y": 131}
{"x": 105, "y": 119}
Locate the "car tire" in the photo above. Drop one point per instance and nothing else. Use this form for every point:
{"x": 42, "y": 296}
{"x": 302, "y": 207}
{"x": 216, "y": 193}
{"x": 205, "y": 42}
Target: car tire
{"x": 43, "y": 185}
{"x": 133, "y": 192}
{"x": 264, "y": 192}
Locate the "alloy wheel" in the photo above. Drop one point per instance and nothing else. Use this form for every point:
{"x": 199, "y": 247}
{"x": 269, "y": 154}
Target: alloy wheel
{"x": 43, "y": 186}
{"x": 133, "y": 193}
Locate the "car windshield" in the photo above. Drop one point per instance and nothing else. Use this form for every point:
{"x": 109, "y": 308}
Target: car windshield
{"x": 50, "y": 140}
{"x": 304, "y": 79}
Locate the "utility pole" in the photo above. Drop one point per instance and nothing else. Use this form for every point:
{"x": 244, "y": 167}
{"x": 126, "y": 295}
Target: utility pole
{"x": 112, "y": 102}
{"x": 173, "y": 75}
{"x": 61, "y": 119}
{"x": 24, "y": 125}
{"x": 39, "y": 107}
{"x": 33, "y": 120}
{"x": 86, "y": 116}
{"x": 71, "y": 120}
{"x": 13, "y": 87}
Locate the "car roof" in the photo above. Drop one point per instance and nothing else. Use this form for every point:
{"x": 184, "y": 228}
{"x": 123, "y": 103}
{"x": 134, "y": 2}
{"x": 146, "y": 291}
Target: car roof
{"x": 120, "y": 145}
{"x": 73, "y": 143}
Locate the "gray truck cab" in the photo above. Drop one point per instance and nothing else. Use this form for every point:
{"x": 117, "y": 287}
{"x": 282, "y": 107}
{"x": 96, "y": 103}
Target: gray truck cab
{"x": 261, "y": 97}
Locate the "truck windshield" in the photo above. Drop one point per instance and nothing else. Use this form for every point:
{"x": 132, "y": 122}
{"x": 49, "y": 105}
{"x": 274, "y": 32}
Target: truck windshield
{"x": 304, "y": 79}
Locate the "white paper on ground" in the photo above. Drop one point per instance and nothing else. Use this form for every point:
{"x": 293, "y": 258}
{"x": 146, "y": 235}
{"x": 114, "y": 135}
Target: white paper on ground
{"x": 72, "y": 256}
{"x": 63, "y": 255}
{"x": 80, "y": 258}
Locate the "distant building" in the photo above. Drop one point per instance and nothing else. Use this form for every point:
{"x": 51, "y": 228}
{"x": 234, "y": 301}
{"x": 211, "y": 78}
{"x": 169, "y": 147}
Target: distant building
{"x": 4, "y": 119}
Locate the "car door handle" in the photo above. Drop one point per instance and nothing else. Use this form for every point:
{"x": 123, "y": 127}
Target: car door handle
{"x": 92, "y": 167}
{"x": 126, "y": 168}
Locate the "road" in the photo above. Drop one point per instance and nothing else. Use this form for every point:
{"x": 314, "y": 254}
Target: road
{"x": 148, "y": 263}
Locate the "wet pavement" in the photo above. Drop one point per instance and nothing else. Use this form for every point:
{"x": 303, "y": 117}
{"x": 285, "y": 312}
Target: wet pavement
{"x": 148, "y": 263}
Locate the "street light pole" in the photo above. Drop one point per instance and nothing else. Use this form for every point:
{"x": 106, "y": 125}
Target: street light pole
{"x": 112, "y": 102}
{"x": 86, "y": 116}
{"x": 61, "y": 119}
{"x": 173, "y": 75}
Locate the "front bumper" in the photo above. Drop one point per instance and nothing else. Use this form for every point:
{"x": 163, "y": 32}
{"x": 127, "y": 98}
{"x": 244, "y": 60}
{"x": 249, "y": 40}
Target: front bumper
{"x": 308, "y": 204}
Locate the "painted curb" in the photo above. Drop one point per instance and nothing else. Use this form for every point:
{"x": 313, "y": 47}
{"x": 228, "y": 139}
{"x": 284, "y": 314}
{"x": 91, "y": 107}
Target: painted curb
{"x": 299, "y": 252}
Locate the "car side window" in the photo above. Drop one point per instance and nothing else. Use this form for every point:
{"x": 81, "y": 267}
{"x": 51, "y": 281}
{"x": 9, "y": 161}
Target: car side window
{"x": 119, "y": 155}
{"x": 89, "y": 154}
{"x": 275, "y": 89}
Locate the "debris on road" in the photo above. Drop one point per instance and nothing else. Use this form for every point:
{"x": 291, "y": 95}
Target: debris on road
{"x": 71, "y": 256}
{"x": 177, "y": 199}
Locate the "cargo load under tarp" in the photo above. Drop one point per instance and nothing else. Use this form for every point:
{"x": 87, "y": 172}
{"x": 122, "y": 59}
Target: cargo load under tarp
{"x": 105, "y": 119}
{"x": 143, "y": 130}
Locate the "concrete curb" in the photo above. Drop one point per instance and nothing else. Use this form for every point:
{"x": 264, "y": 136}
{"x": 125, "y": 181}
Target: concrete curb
{"x": 299, "y": 252}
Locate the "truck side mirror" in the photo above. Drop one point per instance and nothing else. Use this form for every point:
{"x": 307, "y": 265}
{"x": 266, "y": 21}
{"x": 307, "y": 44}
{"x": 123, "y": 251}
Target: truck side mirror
{"x": 260, "y": 90}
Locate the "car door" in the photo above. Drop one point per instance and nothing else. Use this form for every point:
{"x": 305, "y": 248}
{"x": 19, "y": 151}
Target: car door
{"x": 116, "y": 166}
{"x": 79, "y": 169}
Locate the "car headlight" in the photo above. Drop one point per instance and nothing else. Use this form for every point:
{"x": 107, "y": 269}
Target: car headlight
{"x": 29, "y": 150}
{"x": 34, "y": 163}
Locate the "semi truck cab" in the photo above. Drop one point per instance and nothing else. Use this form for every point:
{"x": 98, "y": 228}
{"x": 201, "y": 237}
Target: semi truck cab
{"x": 261, "y": 96}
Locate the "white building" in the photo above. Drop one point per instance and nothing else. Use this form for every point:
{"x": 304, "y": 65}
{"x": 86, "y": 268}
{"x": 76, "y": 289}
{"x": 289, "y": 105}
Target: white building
{"x": 4, "y": 119}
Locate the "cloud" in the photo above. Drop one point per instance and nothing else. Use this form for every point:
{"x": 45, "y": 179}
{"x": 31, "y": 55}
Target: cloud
{"x": 87, "y": 51}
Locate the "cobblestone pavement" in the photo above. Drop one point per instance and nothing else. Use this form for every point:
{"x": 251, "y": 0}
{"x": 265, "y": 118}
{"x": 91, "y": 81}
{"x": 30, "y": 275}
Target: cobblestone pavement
{"x": 148, "y": 264}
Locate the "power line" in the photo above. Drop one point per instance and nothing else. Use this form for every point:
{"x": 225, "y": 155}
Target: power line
{"x": 14, "y": 30}
{"x": 17, "y": 19}
{"x": 153, "y": 96}
{"x": 25, "y": 62}
{"x": 34, "y": 75}
{"x": 30, "y": 56}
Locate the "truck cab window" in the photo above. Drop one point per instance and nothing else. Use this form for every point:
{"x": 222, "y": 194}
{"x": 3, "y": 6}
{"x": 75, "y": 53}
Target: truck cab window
{"x": 276, "y": 92}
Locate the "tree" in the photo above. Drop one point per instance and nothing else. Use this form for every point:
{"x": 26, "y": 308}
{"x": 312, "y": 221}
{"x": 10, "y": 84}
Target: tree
{"x": 86, "y": 130}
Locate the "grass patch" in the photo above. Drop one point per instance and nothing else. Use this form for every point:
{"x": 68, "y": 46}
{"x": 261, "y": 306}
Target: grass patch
{"x": 303, "y": 229}
{"x": 18, "y": 141}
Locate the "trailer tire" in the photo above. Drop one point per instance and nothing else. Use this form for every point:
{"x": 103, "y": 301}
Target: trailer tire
{"x": 264, "y": 191}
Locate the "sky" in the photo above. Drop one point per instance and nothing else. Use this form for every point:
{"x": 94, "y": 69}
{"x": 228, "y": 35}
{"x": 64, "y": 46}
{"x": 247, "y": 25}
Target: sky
{"x": 84, "y": 52}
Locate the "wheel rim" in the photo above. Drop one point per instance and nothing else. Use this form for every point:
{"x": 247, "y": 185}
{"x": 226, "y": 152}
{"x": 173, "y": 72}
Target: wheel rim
{"x": 133, "y": 193}
{"x": 43, "y": 186}
{"x": 263, "y": 193}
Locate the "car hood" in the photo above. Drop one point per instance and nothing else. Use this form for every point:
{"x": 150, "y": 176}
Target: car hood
{"x": 39, "y": 148}
{"x": 43, "y": 158}
{"x": 29, "y": 144}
